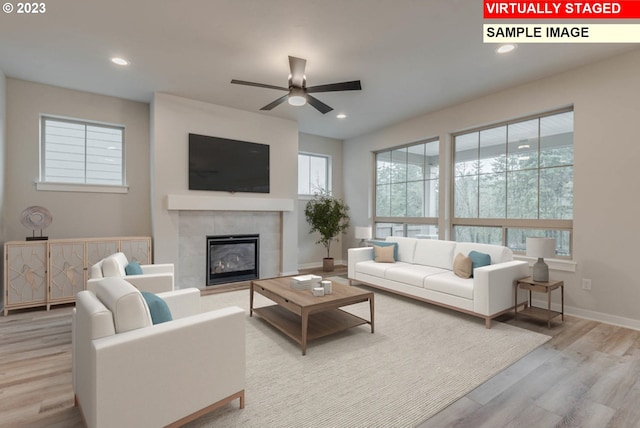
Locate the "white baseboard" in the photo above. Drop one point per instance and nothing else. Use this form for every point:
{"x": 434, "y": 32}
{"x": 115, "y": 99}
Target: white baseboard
{"x": 291, "y": 273}
{"x": 592, "y": 315}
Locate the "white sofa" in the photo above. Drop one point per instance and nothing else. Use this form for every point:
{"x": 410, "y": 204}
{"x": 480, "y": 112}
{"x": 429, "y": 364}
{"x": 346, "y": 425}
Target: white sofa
{"x": 424, "y": 271}
{"x": 130, "y": 373}
{"x": 156, "y": 278}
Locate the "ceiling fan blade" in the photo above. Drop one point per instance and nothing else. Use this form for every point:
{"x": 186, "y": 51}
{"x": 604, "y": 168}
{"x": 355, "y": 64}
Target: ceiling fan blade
{"x": 259, "y": 85}
{"x": 297, "y": 66}
{"x": 354, "y": 85}
{"x": 275, "y": 103}
{"x": 319, "y": 105}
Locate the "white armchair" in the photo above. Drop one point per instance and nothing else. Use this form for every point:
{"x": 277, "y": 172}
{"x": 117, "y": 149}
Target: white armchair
{"x": 130, "y": 373}
{"x": 156, "y": 278}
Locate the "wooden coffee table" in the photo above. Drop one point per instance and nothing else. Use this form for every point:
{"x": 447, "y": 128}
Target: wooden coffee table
{"x": 302, "y": 316}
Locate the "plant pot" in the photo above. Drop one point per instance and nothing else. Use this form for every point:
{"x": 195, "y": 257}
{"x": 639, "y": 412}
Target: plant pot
{"x": 327, "y": 264}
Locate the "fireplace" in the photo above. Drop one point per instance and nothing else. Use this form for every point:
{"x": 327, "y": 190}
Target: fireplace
{"x": 232, "y": 258}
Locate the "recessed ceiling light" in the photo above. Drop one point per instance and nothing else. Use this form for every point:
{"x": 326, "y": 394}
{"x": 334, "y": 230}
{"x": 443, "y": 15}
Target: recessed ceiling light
{"x": 341, "y": 116}
{"x": 119, "y": 61}
{"x": 505, "y": 48}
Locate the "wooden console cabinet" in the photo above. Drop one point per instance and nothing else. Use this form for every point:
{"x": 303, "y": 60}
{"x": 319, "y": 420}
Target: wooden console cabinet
{"x": 45, "y": 273}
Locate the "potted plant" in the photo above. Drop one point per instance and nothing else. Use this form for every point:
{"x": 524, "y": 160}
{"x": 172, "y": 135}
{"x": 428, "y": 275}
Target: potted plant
{"x": 329, "y": 216}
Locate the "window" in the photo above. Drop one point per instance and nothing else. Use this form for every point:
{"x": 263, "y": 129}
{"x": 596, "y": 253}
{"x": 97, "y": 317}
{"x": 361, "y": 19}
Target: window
{"x": 407, "y": 180}
{"x": 515, "y": 180}
{"x": 313, "y": 173}
{"x": 76, "y": 152}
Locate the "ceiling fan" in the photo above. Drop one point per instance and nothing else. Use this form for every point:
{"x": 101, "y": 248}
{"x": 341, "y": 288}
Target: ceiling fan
{"x": 298, "y": 93}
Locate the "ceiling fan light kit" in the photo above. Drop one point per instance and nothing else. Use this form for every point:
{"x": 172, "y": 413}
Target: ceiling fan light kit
{"x": 297, "y": 97}
{"x": 298, "y": 93}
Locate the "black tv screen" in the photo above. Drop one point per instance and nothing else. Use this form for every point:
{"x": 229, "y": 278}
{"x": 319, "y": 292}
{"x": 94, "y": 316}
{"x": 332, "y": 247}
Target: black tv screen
{"x": 228, "y": 165}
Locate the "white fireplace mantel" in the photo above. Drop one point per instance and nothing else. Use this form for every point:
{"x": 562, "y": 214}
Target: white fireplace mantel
{"x": 226, "y": 203}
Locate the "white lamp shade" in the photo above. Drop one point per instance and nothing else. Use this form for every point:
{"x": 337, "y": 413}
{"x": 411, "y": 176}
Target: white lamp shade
{"x": 541, "y": 247}
{"x": 363, "y": 233}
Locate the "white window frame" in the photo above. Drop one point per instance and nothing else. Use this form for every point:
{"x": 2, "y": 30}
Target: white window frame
{"x": 505, "y": 223}
{"x": 402, "y": 224}
{"x": 328, "y": 172}
{"x": 43, "y": 185}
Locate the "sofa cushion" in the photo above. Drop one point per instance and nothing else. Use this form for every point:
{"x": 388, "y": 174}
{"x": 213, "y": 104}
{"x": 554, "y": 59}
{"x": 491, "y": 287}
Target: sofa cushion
{"x": 114, "y": 265}
{"x": 413, "y": 274}
{"x": 449, "y": 283}
{"x": 462, "y": 266}
{"x": 406, "y": 247}
{"x": 133, "y": 268}
{"x": 110, "y": 267}
{"x": 372, "y": 268}
{"x": 479, "y": 259}
{"x": 129, "y": 309}
{"x": 158, "y": 308}
{"x": 384, "y": 254}
{"x": 433, "y": 252}
{"x": 96, "y": 270}
{"x": 386, "y": 244}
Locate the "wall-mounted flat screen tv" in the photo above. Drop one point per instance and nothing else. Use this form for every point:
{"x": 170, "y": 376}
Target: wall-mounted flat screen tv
{"x": 228, "y": 165}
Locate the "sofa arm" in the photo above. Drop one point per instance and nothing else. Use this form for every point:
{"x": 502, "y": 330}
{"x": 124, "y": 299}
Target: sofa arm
{"x": 166, "y": 371}
{"x": 182, "y": 303}
{"x": 357, "y": 255}
{"x": 493, "y": 286}
{"x": 154, "y": 283}
{"x": 159, "y": 268}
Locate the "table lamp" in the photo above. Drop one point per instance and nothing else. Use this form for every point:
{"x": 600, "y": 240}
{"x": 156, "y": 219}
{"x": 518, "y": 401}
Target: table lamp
{"x": 541, "y": 248}
{"x": 363, "y": 234}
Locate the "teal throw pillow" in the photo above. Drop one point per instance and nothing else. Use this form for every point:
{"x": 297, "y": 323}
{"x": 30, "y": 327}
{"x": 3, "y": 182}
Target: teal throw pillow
{"x": 385, "y": 244}
{"x": 158, "y": 307}
{"x": 133, "y": 268}
{"x": 479, "y": 260}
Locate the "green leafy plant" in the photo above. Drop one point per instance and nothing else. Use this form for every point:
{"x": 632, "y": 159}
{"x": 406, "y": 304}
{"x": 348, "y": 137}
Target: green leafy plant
{"x": 327, "y": 215}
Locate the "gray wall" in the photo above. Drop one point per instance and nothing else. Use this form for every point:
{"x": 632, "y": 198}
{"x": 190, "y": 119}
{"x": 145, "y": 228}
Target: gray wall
{"x": 606, "y": 209}
{"x": 310, "y": 254}
{"x": 3, "y": 150}
{"x": 75, "y": 214}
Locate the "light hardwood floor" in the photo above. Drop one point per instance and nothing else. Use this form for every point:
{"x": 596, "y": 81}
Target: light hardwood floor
{"x": 587, "y": 375}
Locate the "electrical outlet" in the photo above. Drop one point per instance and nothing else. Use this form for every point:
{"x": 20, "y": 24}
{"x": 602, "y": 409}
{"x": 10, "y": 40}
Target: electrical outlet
{"x": 586, "y": 284}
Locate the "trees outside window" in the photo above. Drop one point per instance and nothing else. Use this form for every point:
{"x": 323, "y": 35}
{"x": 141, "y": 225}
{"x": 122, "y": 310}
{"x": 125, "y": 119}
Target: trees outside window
{"x": 515, "y": 180}
{"x": 407, "y": 184}
{"x": 313, "y": 173}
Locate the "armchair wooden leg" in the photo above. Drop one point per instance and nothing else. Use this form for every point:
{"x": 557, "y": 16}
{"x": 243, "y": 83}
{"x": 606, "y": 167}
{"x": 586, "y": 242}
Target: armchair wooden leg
{"x": 208, "y": 409}
{"x": 487, "y": 322}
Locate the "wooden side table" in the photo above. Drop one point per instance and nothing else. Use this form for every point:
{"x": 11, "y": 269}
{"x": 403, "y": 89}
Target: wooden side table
{"x": 540, "y": 287}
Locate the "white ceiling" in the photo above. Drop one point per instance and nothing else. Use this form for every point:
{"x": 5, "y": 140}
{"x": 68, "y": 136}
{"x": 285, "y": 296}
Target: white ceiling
{"x": 412, "y": 56}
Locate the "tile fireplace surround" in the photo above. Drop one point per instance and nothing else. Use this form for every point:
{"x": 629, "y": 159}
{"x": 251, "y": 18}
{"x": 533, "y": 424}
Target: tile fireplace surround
{"x": 194, "y": 226}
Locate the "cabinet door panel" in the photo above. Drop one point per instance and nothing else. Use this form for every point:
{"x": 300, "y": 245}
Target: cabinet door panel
{"x": 66, "y": 270}
{"x": 98, "y": 250}
{"x": 137, "y": 249}
{"x": 26, "y": 273}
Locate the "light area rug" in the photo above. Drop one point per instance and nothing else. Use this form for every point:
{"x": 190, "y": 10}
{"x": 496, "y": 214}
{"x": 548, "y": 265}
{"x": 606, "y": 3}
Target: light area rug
{"x": 420, "y": 359}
